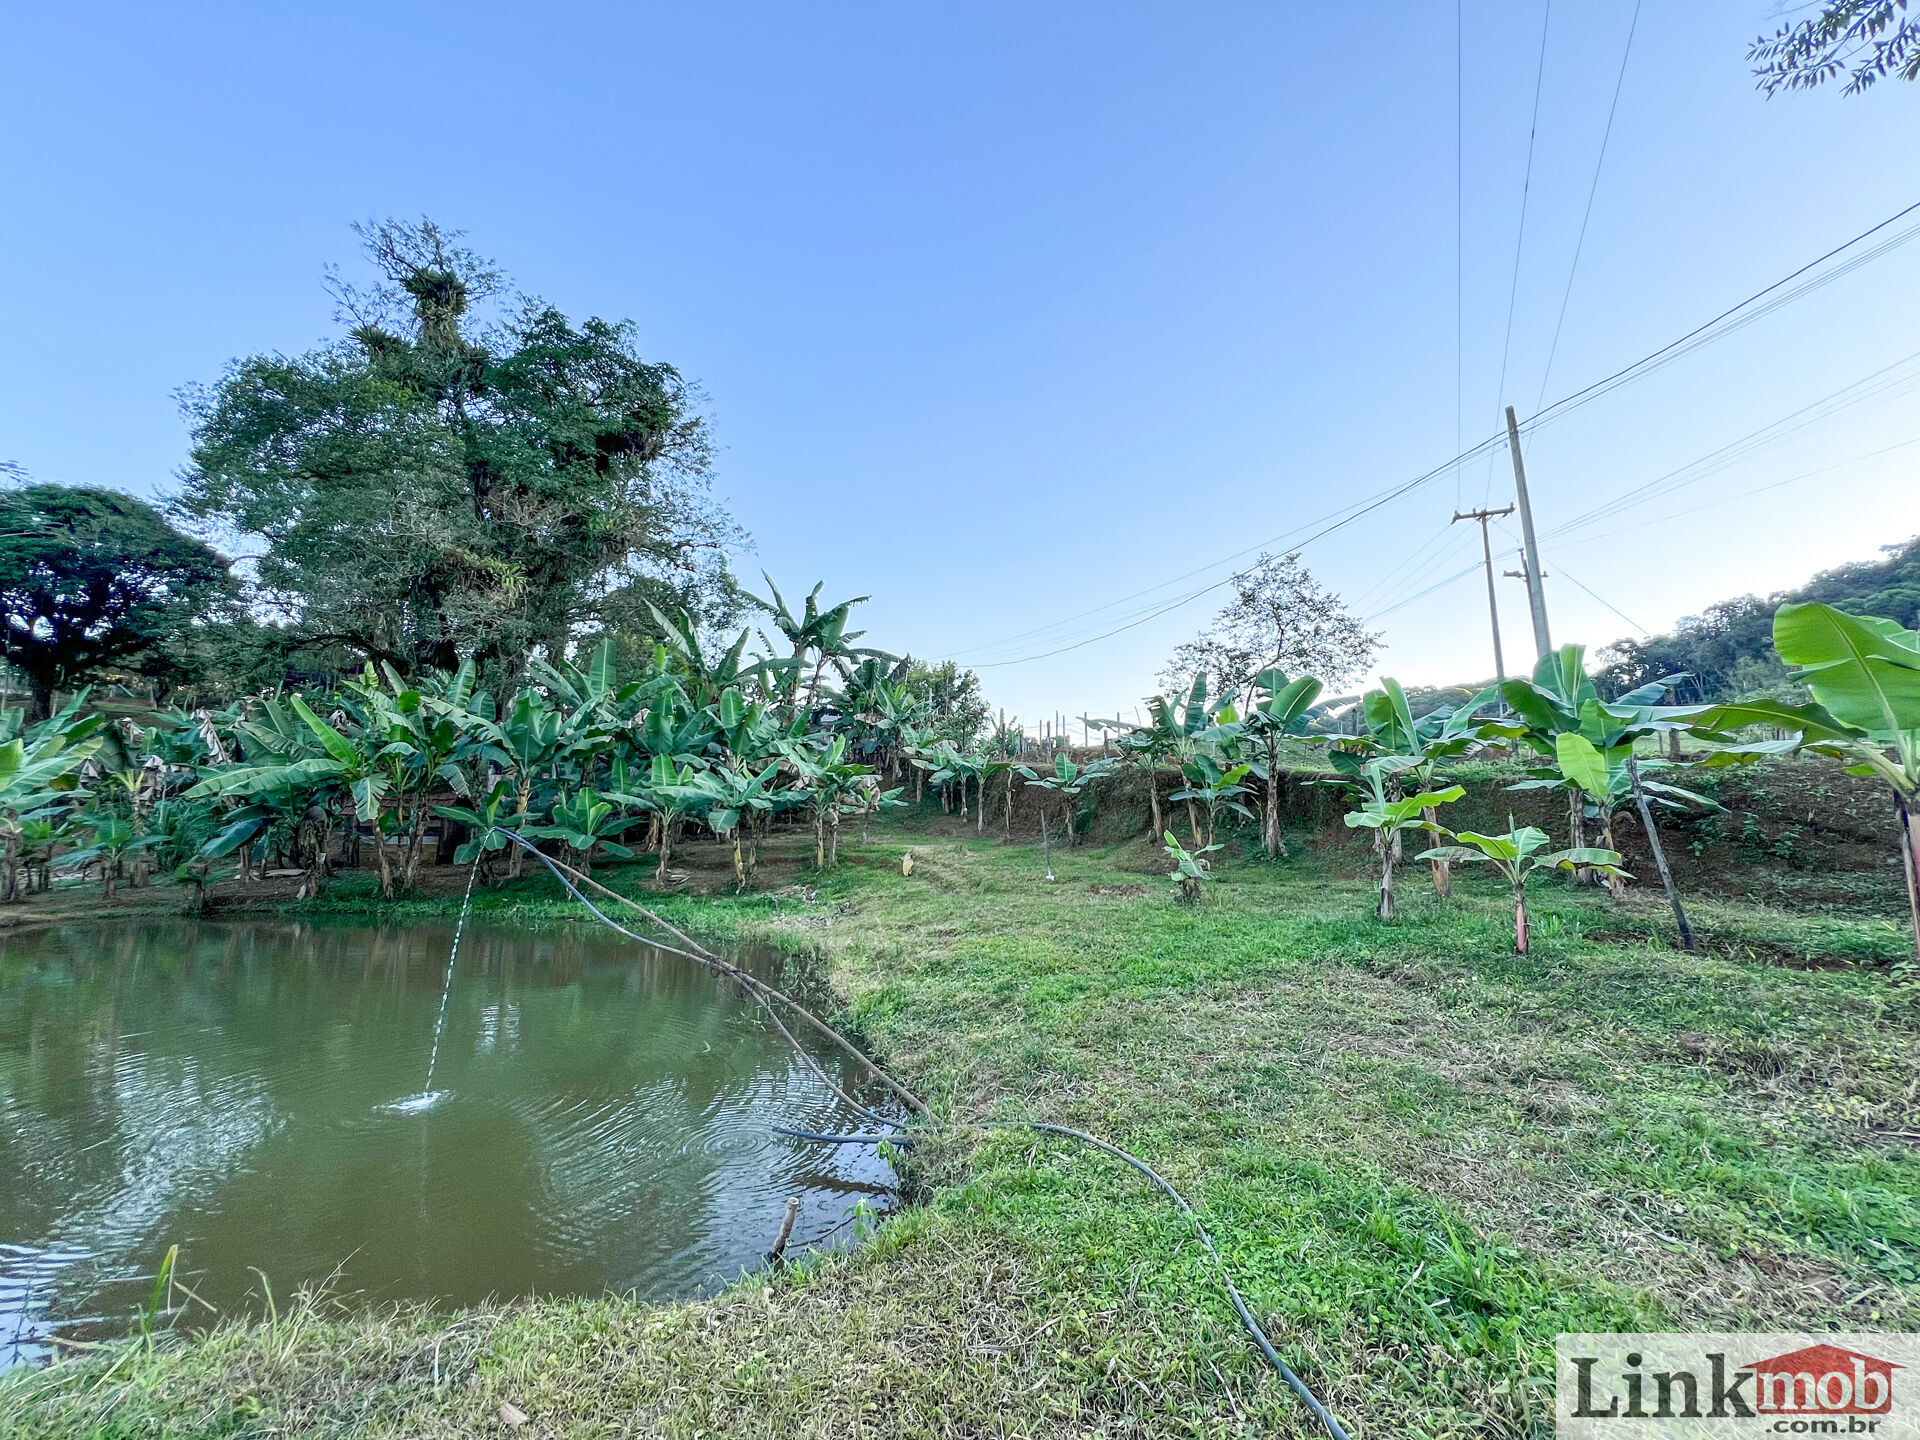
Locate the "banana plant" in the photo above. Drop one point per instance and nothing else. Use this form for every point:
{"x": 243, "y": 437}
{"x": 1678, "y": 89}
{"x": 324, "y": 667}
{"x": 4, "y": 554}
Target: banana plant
{"x": 1516, "y": 855}
{"x": 827, "y": 780}
{"x": 870, "y": 801}
{"x": 1001, "y": 750}
{"x": 37, "y": 774}
{"x": 1069, "y": 781}
{"x": 879, "y": 701}
{"x": 115, "y": 837}
{"x": 703, "y": 676}
{"x": 1392, "y": 730}
{"x": 525, "y": 743}
{"x": 486, "y": 820}
{"x": 287, "y": 778}
{"x": 1175, "y": 731}
{"x": 1191, "y": 868}
{"x": 586, "y": 823}
{"x": 36, "y": 840}
{"x": 589, "y": 687}
{"x": 817, "y": 632}
{"x": 670, "y": 791}
{"x": 413, "y": 744}
{"x": 1605, "y": 779}
{"x": 737, "y": 801}
{"x": 1276, "y": 715}
{"x": 951, "y": 770}
{"x": 1561, "y": 699}
{"x": 1388, "y": 814}
{"x": 1864, "y": 673}
{"x": 1216, "y": 787}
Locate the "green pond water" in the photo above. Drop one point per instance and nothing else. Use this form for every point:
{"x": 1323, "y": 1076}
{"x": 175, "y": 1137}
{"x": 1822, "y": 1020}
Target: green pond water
{"x": 602, "y": 1120}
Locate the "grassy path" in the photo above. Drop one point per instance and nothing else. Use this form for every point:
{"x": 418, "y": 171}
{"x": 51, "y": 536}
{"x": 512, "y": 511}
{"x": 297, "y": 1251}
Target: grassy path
{"x": 1422, "y": 1155}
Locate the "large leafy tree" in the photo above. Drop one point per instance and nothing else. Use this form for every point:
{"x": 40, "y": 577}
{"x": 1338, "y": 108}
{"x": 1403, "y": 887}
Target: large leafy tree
{"x": 955, "y": 707}
{"x": 1280, "y": 618}
{"x": 91, "y": 579}
{"x": 459, "y": 474}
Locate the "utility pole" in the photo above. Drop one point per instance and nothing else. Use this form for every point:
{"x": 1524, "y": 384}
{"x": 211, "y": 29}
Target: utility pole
{"x": 1536, "y": 596}
{"x": 1493, "y": 605}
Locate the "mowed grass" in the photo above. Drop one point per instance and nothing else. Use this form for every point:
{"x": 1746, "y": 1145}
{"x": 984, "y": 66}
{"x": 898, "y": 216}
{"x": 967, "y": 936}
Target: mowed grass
{"x": 1422, "y": 1156}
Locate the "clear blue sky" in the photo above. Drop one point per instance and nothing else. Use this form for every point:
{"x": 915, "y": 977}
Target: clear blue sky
{"x": 1006, "y": 312}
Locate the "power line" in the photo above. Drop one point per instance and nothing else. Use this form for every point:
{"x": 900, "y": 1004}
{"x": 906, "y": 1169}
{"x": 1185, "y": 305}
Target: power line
{"x": 1887, "y": 378}
{"x": 1520, "y": 237}
{"x": 1387, "y": 577}
{"x": 1592, "y": 190}
{"x": 1437, "y": 585}
{"x": 1700, "y": 332}
{"x": 1053, "y": 626}
{"x": 1366, "y": 509}
{"x": 1566, "y": 574}
{"x": 1700, "y": 335}
{"x": 1629, "y": 529}
{"x": 1720, "y": 500}
{"x": 1406, "y": 576}
{"x": 1459, "y": 237}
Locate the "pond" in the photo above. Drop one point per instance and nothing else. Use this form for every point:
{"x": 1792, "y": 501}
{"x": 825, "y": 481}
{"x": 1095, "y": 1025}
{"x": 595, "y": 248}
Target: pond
{"x": 602, "y": 1120}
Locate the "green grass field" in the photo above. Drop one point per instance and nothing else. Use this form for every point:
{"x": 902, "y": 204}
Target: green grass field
{"x": 1422, "y": 1156}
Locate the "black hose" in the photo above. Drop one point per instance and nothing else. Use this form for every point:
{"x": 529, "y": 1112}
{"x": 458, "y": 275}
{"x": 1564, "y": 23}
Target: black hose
{"x": 755, "y": 986}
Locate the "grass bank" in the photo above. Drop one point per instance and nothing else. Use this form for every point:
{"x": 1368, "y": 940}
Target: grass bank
{"x": 1422, "y": 1155}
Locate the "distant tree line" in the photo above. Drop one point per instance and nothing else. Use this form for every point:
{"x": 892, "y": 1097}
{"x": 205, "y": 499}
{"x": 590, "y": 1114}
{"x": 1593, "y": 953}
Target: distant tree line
{"x": 1727, "y": 651}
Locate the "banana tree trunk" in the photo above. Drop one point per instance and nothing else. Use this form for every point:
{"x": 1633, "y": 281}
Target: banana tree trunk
{"x": 1442, "y": 869}
{"x": 819, "y": 841}
{"x": 1384, "y": 845}
{"x": 1193, "y": 823}
{"x": 1275, "y": 842}
{"x": 1577, "y": 831}
{"x": 1153, "y": 801}
{"x": 1520, "y": 919}
{"x": 519, "y": 815}
{"x": 386, "y": 862}
{"x": 666, "y": 849}
{"x": 833, "y": 839}
{"x": 10, "y": 870}
{"x": 1007, "y": 834}
{"x": 980, "y": 807}
{"x": 416, "y": 836}
{"x": 1616, "y": 883}
{"x": 739, "y": 861}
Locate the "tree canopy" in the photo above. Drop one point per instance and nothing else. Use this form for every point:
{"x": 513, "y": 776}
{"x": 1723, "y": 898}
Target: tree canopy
{"x": 92, "y": 578}
{"x": 1864, "y": 40}
{"x": 436, "y": 482}
{"x": 1726, "y": 652}
{"x": 1281, "y": 618}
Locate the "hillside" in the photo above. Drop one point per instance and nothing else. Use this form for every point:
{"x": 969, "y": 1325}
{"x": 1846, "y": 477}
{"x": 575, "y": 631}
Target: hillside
{"x": 1727, "y": 650}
